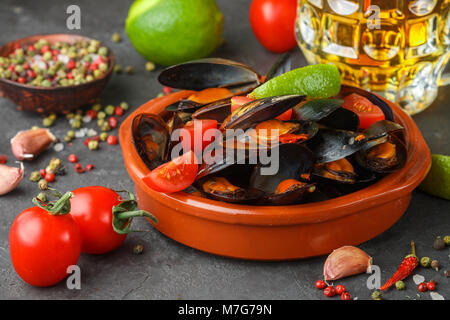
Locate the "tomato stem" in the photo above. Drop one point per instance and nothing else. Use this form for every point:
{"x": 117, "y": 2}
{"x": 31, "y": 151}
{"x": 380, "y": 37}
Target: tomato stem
{"x": 58, "y": 207}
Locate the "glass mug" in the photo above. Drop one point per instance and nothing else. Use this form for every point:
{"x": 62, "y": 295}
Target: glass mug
{"x": 396, "y": 48}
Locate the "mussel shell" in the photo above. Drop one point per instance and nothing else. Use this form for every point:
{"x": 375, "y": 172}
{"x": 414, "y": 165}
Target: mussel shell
{"x": 246, "y": 195}
{"x": 210, "y": 73}
{"x": 293, "y": 160}
{"x": 288, "y": 197}
{"x": 174, "y": 123}
{"x": 341, "y": 119}
{"x": 281, "y": 66}
{"x": 360, "y": 177}
{"x": 217, "y": 110}
{"x": 315, "y": 110}
{"x": 388, "y": 113}
{"x": 184, "y": 105}
{"x": 331, "y": 145}
{"x": 260, "y": 110}
{"x": 150, "y": 127}
{"x": 381, "y": 128}
{"x": 401, "y": 154}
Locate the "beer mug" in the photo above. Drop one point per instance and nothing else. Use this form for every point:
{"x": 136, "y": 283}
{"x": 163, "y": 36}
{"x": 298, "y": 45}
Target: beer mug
{"x": 396, "y": 48}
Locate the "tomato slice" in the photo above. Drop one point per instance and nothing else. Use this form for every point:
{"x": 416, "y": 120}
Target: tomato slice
{"x": 175, "y": 175}
{"x": 238, "y": 101}
{"x": 367, "y": 112}
{"x": 195, "y": 130}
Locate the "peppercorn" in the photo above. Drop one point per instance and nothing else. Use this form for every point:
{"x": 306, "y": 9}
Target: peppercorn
{"x": 447, "y": 240}
{"x": 109, "y": 110}
{"x": 138, "y": 249}
{"x": 105, "y": 127}
{"x": 435, "y": 265}
{"x": 116, "y": 37}
{"x": 53, "y": 116}
{"x": 67, "y": 138}
{"x": 124, "y": 105}
{"x": 103, "y": 51}
{"x": 35, "y": 176}
{"x": 100, "y": 122}
{"x": 400, "y": 285}
{"x": 89, "y": 167}
{"x": 76, "y": 124}
{"x": 47, "y": 122}
{"x": 93, "y": 145}
{"x": 70, "y": 116}
{"x": 439, "y": 243}
{"x": 376, "y": 295}
{"x": 103, "y": 136}
{"x": 149, "y": 66}
{"x": 129, "y": 70}
{"x": 43, "y": 184}
{"x": 97, "y": 107}
{"x": 70, "y": 134}
{"x": 42, "y": 197}
{"x": 425, "y": 262}
{"x": 101, "y": 115}
{"x": 117, "y": 68}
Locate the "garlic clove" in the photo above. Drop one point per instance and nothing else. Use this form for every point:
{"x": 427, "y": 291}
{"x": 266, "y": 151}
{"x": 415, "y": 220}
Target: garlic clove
{"x": 10, "y": 178}
{"x": 346, "y": 261}
{"x": 27, "y": 145}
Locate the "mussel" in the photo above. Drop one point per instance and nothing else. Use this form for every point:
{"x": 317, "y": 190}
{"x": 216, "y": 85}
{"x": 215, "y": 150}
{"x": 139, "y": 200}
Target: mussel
{"x": 220, "y": 188}
{"x": 291, "y": 181}
{"x": 151, "y": 137}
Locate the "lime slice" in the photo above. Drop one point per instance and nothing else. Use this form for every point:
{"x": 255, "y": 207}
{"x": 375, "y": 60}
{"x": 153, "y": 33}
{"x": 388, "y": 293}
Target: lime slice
{"x": 437, "y": 182}
{"x": 315, "y": 81}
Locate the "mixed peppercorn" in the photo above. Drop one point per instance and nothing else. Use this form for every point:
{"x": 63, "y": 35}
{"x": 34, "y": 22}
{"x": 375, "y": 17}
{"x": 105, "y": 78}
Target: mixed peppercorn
{"x": 45, "y": 64}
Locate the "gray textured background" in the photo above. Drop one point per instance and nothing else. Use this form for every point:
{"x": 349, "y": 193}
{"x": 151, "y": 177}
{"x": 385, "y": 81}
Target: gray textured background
{"x": 169, "y": 270}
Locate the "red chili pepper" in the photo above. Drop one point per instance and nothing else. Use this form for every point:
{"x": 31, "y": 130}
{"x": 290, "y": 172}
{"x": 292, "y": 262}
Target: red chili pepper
{"x": 406, "y": 268}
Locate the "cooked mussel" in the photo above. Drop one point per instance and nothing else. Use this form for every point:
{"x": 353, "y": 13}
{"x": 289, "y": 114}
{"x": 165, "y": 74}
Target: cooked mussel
{"x": 339, "y": 170}
{"x": 210, "y": 73}
{"x": 217, "y": 110}
{"x": 220, "y": 188}
{"x": 383, "y": 155}
{"x": 200, "y": 99}
{"x": 291, "y": 181}
{"x": 151, "y": 137}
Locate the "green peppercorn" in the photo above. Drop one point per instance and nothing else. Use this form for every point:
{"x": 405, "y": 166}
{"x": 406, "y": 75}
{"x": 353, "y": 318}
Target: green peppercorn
{"x": 67, "y": 139}
{"x": 101, "y": 115}
{"x": 47, "y": 56}
{"x": 109, "y": 109}
{"x": 47, "y": 122}
{"x": 118, "y": 68}
{"x": 89, "y": 78}
{"x": 447, "y": 240}
{"x": 149, "y": 66}
{"x": 35, "y": 176}
{"x": 103, "y": 51}
{"x": 159, "y": 95}
{"x": 70, "y": 133}
{"x": 116, "y": 37}
{"x": 76, "y": 124}
{"x": 105, "y": 127}
{"x": 104, "y": 136}
{"x": 46, "y": 83}
{"x": 129, "y": 70}
{"x": 138, "y": 249}
{"x": 97, "y": 73}
{"x": 425, "y": 262}
{"x": 100, "y": 122}
{"x": 42, "y": 197}
{"x": 400, "y": 285}
{"x": 43, "y": 184}
{"x": 35, "y": 127}
{"x": 93, "y": 145}
{"x": 103, "y": 67}
{"x": 124, "y": 105}
{"x": 376, "y": 295}
{"x": 97, "y": 107}
{"x": 53, "y": 116}
{"x": 70, "y": 116}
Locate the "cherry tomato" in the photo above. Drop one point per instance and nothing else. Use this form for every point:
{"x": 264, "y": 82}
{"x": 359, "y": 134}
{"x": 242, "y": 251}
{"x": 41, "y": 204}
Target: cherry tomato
{"x": 273, "y": 22}
{"x": 320, "y": 284}
{"x": 340, "y": 289}
{"x": 329, "y": 291}
{"x": 367, "y": 112}
{"x": 175, "y": 175}
{"x": 238, "y": 101}
{"x": 43, "y": 245}
{"x": 91, "y": 208}
{"x": 196, "y": 130}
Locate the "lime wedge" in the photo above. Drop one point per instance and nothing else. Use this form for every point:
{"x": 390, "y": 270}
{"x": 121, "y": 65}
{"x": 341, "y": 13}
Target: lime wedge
{"x": 314, "y": 81}
{"x": 437, "y": 182}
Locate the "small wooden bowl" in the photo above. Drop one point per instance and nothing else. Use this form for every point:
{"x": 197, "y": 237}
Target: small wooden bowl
{"x": 279, "y": 232}
{"x": 60, "y": 100}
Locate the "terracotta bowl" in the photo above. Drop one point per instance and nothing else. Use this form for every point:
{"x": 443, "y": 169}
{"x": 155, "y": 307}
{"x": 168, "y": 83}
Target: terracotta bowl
{"x": 279, "y": 232}
{"x": 60, "y": 100}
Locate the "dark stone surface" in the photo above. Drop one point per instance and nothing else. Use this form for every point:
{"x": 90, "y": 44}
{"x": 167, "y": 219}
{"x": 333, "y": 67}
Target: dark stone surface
{"x": 166, "y": 269}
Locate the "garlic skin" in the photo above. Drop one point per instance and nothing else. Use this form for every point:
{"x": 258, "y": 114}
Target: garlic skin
{"x": 10, "y": 178}
{"x": 346, "y": 261}
{"x": 27, "y": 145}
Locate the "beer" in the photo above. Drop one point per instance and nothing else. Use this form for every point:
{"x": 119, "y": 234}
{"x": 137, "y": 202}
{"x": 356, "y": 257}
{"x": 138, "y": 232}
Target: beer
{"x": 396, "y": 48}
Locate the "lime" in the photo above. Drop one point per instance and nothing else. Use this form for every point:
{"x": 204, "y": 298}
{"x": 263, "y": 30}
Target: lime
{"x": 172, "y": 31}
{"x": 315, "y": 81}
{"x": 437, "y": 182}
